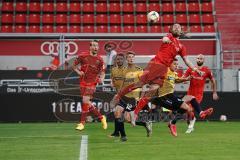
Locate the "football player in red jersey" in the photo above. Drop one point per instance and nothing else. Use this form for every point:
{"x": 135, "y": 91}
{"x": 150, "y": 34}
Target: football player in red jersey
{"x": 91, "y": 71}
{"x": 156, "y": 70}
{"x": 197, "y": 84}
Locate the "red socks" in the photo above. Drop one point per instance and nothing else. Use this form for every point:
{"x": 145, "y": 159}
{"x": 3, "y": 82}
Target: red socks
{"x": 141, "y": 104}
{"x": 95, "y": 111}
{"x": 126, "y": 90}
{"x": 84, "y": 113}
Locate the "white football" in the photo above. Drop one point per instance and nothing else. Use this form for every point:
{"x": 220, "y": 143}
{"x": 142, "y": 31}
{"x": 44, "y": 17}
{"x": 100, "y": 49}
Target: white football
{"x": 153, "y": 17}
{"x": 223, "y": 118}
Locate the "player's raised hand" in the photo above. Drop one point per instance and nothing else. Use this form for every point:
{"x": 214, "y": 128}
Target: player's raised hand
{"x": 215, "y": 96}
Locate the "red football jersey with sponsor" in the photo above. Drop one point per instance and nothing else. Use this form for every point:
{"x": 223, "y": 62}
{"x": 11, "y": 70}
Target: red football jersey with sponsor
{"x": 197, "y": 82}
{"x": 91, "y": 65}
{"x": 168, "y": 51}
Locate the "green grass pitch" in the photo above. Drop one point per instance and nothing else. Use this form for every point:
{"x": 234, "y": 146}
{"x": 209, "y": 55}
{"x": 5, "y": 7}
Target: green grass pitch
{"x": 59, "y": 141}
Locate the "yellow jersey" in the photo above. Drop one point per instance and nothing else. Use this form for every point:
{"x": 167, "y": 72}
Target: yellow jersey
{"x": 168, "y": 84}
{"x": 118, "y": 76}
{"x": 132, "y": 75}
{"x": 124, "y": 76}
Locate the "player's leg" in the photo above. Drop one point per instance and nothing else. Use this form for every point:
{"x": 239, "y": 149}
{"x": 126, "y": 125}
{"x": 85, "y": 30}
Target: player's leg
{"x": 87, "y": 96}
{"x": 143, "y": 102}
{"x": 196, "y": 105}
{"x": 117, "y": 114}
{"x": 85, "y": 110}
{"x": 197, "y": 108}
{"x": 120, "y": 122}
{"x": 124, "y": 91}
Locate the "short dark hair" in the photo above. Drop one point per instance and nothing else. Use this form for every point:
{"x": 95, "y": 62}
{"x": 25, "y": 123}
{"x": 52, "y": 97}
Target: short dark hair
{"x": 92, "y": 41}
{"x": 107, "y": 45}
{"x": 121, "y": 55}
{"x": 175, "y": 59}
{"x": 130, "y": 52}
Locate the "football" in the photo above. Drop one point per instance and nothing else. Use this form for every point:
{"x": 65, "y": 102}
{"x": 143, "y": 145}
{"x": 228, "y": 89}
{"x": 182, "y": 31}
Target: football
{"x": 223, "y": 118}
{"x": 153, "y": 17}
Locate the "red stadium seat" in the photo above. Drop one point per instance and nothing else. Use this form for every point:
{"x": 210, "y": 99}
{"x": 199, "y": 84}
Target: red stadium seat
{"x": 101, "y": 7}
{"x": 6, "y": 28}
{"x": 141, "y": 29}
{"x": 61, "y": 7}
{"x": 155, "y": 29}
{"x": 34, "y": 6}
{"x": 180, "y": 7}
{"x": 102, "y": 29}
{"x": 88, "y": 19}
{"x": 181, "y": 18}
{"x": 75, "y": 18}
{"x": 21, "y": 6}
{"x": 61, "y": 29}
{"x": 88, "y": 29}
{"x": 207, "y": 7}
{"x": 34, "y": 29}
{"x": 195, "y": 28}
{"x": 141, "y": 19}
{"x": 167, "y": 7}
{"x": 115, "y": 29}
{"x": 47, "y": 19}
{"x": 48, "y": 7}
{"x": 88, "y": 7}
{"x": 75, "y": 6}
{"x": 185, "y": 28}
{"x": 20, "y": 18}
{"x": 114, "y": 7}
{"x": 21, "y": 68}
{"x": 127, "y": 7}
{"x": 194, "y": 19}
{"x": 208, "y": 28}
{"x": 34, "y": 18}
{"x": 128, "y": 19}
{"x": 7, "y": 18}
{"x": 20, "y": 28}
{"x": 7, "y": 6}
{"x": 193, "y": 7}
{"x": 75, "y": 29}
{"x": 128, "y": 29}
{"x": 101, "y": 19}
{"x": 141, "y": 7}
{"x": 168, "y": 19}
{"x": 115, "y": 19}
{"x": 166, "y": 28}
{"x": 47, "y": 29}
{"x": 61, "y": 18}
{"x": 207, "y": 19}
{"x": 154, "y": 7}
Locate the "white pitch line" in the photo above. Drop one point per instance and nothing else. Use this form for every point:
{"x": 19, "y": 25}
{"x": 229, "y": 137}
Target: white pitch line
{"x": 84, "y": 148}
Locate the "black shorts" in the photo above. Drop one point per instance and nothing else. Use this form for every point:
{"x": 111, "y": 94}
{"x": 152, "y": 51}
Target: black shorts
{"x": 169, "y": 101}
{"x": 127, "y": 103}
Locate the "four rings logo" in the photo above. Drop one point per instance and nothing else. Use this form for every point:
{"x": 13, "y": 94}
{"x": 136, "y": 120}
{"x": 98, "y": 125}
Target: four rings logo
{"x": 53, "y": 48}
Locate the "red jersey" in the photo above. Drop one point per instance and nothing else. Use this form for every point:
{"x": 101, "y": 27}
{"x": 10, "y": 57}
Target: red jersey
{"x": 91, "y": 65}
{"x": 197, "y": 82}
{"x": 168, "y": 51}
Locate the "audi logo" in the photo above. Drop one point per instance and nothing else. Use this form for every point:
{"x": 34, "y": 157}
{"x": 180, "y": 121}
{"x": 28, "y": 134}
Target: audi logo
{"x": 52, "y": 48}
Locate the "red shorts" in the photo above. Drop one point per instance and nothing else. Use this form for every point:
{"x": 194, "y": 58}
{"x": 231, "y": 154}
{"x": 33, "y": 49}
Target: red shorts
{"x": 87, "y": 89}
{"x": 154, "y": 73}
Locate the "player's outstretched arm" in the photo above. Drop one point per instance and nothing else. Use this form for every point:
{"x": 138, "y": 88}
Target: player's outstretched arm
{"x": 190, "y": 65}
{"x": 75, "y": 68}
{"x": 214, "y": 89}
